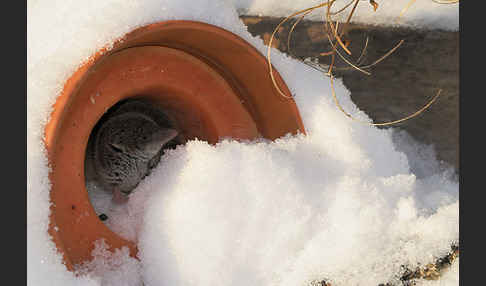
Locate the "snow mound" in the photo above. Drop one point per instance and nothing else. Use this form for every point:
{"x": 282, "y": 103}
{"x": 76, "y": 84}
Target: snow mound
{"x": 342, "y": 203}
{"x": 423, "y": 14}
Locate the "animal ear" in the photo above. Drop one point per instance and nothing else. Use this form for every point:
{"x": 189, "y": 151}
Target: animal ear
{"x": 158, "y": 140}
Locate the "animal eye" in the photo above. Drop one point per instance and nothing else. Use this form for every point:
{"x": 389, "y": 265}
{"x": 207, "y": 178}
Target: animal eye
{"x": 115, "y": 148}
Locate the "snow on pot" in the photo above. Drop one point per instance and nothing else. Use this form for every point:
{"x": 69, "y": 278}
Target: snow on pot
{"x": 211, "y": 83}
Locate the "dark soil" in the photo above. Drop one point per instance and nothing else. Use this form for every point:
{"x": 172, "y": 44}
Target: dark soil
{"x": 398, "y": 86}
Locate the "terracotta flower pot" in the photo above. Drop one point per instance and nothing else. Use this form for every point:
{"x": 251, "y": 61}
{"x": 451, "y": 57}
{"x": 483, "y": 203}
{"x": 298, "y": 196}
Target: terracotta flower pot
{"x": 211, "y": 83}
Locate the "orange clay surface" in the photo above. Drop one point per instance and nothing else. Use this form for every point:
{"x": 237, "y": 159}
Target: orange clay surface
{"x": 211, "y": 84}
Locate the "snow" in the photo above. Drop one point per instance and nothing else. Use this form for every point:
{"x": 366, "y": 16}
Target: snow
{"x": 349, "y": 202}
{"x": 423, "y": 14}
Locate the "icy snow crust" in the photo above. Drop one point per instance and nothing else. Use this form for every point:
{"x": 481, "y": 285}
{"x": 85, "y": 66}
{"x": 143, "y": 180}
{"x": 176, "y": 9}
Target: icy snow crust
{"x": 423, "y": 14}
{"x": 347, "y": 202}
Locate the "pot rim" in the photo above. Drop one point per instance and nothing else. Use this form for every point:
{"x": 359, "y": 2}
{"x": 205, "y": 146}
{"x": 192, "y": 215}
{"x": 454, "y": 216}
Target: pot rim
{"x": 234, "y": 73}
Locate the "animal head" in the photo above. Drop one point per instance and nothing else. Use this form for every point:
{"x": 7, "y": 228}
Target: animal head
{"x": 124, "y": 146}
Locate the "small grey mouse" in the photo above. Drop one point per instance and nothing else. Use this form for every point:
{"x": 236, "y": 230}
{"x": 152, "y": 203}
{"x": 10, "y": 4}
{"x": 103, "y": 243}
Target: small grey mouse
{"x": 127, "y": 146}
